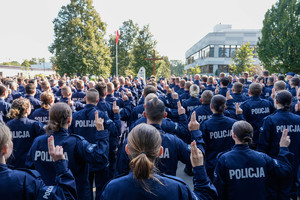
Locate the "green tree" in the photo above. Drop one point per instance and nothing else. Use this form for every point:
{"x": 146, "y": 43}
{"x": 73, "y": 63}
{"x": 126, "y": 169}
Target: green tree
{"x": 242, "y": 59}
{"x": 26, "y": 64}
{"x": 79, "y": 44}
{"x": 163, "y": 68}
{"x": 279, "y": 46}
{"x": 128, "y": 33}
{"x": 195, "y": 70}
{"x": 177, "y": 67}
{"x": 143, "y": 48}
{"x": 33, "y": 61}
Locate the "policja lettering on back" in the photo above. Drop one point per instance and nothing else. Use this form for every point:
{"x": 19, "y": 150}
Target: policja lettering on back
{"x": 247, "y": 173}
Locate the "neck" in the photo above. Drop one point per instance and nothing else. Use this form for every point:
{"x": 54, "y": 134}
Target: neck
{"x": 152, "y": 122}
{"x": 2, "y": 160}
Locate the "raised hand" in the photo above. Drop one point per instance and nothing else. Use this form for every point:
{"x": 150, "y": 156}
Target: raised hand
{"x": 181, "y": 109}
{"x": 273, "y": 94}
{"x": 70, "y": 102}
{"x": 228, "y": 95}
{"x": 115, "y": 108}
{"x": 285, "y": 139}
{"x": 297, "y": 106}
{"x": 193, "y": 124}
{"x": 174, "y": 94}
{"x": 57, "y": 153}
{"x": 238, "y": 110}
{"x": 99, "y": 122}
{"x": 124, "y": 96}
{"x": 196, "y": 155}
{"x": 217, "y": 90}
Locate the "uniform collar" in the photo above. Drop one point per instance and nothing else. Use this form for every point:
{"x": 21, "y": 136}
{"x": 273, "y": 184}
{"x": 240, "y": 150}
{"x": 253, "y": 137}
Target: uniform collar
{"x": 217, "y": 115}
{"x": 3, "y": 167}
{"x": 61, "y": 131}
{"x": 241, "y": 146}
{"x": 89, "y": 106}
{"x": 255, "y": 98}
{"x": 158, "y": 127}
{"x": 281, "y": 111}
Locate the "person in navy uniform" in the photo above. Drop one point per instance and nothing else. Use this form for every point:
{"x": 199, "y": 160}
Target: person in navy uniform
{"x": 186, "y": 94}
{"x": 80, "y": 94}
{"x": 210, "y": 86}
{"x": 203, "y": 112}
{"x": 23, "y": 130}
{"x": 271, "y": 132}
{"x": 216, "y": 133}
{"x": 174, "y": 148}
{"x": 27, "y": 184}
{"x": 81, "y": 126}
{"x": 66, "y": 93}
{"x": 4, "y": 106}
{"x": 77, "y": 150}
{"x": 194, "y": 101}
{"x": 14, "y": 94}
{"x": 294, "y": 84}
{"x": 255, "y": 109}
{"x": 224, "y": 83}
{"x": 243, "y": 173}
{"x": 247, "y": 82}
{"x": 30, "y": 90}
{"x": 237, "y": 95}
{"x": 144, "y": 147}
{"x": 181, "y": 85}
{"x": 42, "y": 114}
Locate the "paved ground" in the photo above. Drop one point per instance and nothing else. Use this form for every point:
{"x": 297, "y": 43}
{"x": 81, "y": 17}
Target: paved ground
{"x": 181, "y": 174}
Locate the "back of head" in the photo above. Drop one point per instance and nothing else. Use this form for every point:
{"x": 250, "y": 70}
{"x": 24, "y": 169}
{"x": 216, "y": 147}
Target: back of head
{"x": 243, "y": 130}
{"x": 281, "y": 77}
{"x": 116, "y": 84}
{"x": 2, "y": 90}
{"x": 194, "y": 90}
{"x": 210, "y": 80}
{"x": 182, "y": 83}
{"x": 177, "y": 80}
{"x": 225, "y": 81}
{"x": 5, "y": 136}
{"x": 61, "y": 82}
{"x": 206, "y": 97}
{"x": 218, "y": 103}
{"x": 19, "y": 108}
{"x": 255, "y": 89}
{"x": 144, "y": 142}
{"x": 92, "y": 96}
{"x": 222, "y": 75}
{"x": 285, "y": 99}
{"x": 66, "y": 91}
{"x": 238, "y": 87}
{"x": 187, "y": 85}
{"x": 246, "y": 74}
{"x": 242, "y": 80}
{"x": 149, "y": 89}
{"x": 150, "y": 97}
{"x": 261, "y": 79}
{"x": 80, "y": 84}
{"x": 271, "y": 81}
{"x": 155, "y": 110}
{"x": 280, "y": 85}
{"x": 204, "y": 79}
{"x": 101, "y": 88}
{"x": 58, "y": 116}
{"x": 266, "y": 73}
{"x": 295, "y": 81}
{"x": 152, "y": 83}
{"x": 47, "y": 99}
{"x": 110, "y": 88}
{"x": 230, "y": 78}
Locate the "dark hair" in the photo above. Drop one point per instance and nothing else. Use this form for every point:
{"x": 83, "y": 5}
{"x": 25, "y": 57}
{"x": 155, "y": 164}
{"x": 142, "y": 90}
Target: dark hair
{"x": 18, "y": 108}
{"x": 295, "y": 81}
{"x": 266, "y": 73}
{"x": 225, "y": 81}
{"x": 58, "y": 116}
{"x": 218, "y": 103}
{"x": 30, "y": 88}
{"x": 243, "y": 130}
{"x": 155, "y": 110}
{"x": 242, "y": 80}
{"x": 280, "y": 85}
{"x": 204, "y": 79}
{"x": 285, "y": 99}
{"x": 182, "y": 83}
{"x": 259, "y": 78}
{"x": 255, "y": 89}
{"x": 281, "y": 77}
{"x": 2, "y": 90}
{"x": 61, "y": 83}
{"x": 238, "y": 87}
{"x": 149, "y": 89}
{"x": 101, "y": 88}
{"x": 271, "y": 80}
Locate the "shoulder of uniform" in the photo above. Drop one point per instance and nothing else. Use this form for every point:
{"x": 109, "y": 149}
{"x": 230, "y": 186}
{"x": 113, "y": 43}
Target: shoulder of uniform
{"x": 77, "y": 136}
{"x": 33, "y": 173}
{"x": 173, "y": 178}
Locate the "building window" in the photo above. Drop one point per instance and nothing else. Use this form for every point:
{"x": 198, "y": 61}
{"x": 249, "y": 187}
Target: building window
{"x": 221, "y": 51}
{"x": 223, "y": 68}
{"x": 211, "y": 51}
{"x": 232, "y": 50}
{"x": 226, "y": 51}
{"x": 211, "y": 69}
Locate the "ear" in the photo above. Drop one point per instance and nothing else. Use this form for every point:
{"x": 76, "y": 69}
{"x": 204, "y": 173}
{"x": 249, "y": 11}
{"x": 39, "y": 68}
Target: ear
{"x": 161, "y": 151}
{"x": 144, "y": 114}
{"x": 98, "y": 100}
{"x": 144, "y": 106}
{"x": 233, "y": 135}
{"x": 166, "y": 114}
{"x": 5, "y": 149}
{"x": 200, "y": 100}
{"x": 52, "y": 101}
{"x": 69, "y": 119}
{"x": 127, "y": 149}
{"x": 84, "y": 98}
{"x": 211, "y": 108}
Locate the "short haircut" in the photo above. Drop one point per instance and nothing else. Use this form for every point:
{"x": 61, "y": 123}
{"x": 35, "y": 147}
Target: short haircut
{"x": 2, "y": 89}
{"x": 66, "y": 90}
{"x": 30, "y": 88}
{"x": 155, "y": 110}
{"x": 225, "y": 81}
{"x": 210, "y": 80}
{"x": 150, "y": 97}
{"x": 149, "y": 89}
{"x": 266, "y": 73}
{"x": 182, "y": 83}
{"x": 45, "y": 85}
{"x": 271, "y": 81}
{"x": 80, "y": 84}
{"x": 222, "y": 74}
{"x": 204, "y": 79}
{"x": 61, "y": 83}
{"x": 295, "y": 81}
{"x": 255, "y": 89}
{"x": 246, "y": 74}
{"x": 101, "y": 88}
{"x": 281, "y": 77}
{"x": 177, "y": 80}
{"x": 259, "y": 78}
{"x": 238, "y": 87}
{"x": 92, "y": 95}
{"x": 187, "y": 85}
{"x": 206, "y": 97}
{"x": 116, "y": 84}
{"x": 280, "y": 85}
{"x": 110, "y": 87}
{"x": 242, "y": 80}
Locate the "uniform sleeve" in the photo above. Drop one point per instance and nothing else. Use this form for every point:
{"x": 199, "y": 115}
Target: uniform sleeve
{"x": 125, "y": 111}
{"x": 30, "y": 156}
{"x": 203, "y": 188}
{"x": 95, "y": 153}
{"x": 265, "y": 134}
{"x": 179, "y": 129}
{"x": 220, "y": 178}
{"x": 39, "y": 129}
{"x": 122, "y": 161}
{"x": 281, "y": 167}
{"x": 65, "y": 188}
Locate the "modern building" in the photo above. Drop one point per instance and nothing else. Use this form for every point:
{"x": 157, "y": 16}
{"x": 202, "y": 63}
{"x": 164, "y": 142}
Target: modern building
{"x": 213, "y": 52}
{"x": 41, "y": 69}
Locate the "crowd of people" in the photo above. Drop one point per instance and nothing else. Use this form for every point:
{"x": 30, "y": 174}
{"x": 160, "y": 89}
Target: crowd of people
{"x": 122, "y": 137}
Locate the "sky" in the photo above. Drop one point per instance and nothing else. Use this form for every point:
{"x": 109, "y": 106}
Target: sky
{"x": 26, "y": 28}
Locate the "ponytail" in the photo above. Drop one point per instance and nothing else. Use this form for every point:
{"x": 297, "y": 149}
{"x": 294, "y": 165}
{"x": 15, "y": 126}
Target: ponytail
{"x": 58, "y": 117}
{"x": 284, "y": 98}
{"x": 218, "y": 103}
{"x": 19, "y": 108}
{"x": 243, "y": 130}
{"x": 141, "y": 166}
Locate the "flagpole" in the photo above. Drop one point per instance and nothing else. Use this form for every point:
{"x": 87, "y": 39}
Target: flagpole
{"x": 116, "y": 59}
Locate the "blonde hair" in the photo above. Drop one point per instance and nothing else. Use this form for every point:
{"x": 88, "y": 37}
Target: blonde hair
{"x": 18, "y": 108}
{"x": 194, "y": 90}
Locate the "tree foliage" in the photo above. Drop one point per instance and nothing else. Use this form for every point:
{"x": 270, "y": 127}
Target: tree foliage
{"x": 12, "y": 63}
{"x": 279, "y": 46}
{"x": 79, "y": 44}
{"x": 177, "y": 67}
{"x": 143, "y": 48}
{"x": 242, "y": 59}
{"x": 26, "y": 64}
{"x": 163, "y": 68}
{"x": 128, "y": 33}
{"x": 194, "y": 70}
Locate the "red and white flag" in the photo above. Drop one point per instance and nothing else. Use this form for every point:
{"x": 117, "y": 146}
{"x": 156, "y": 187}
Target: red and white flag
{"x": 117, "y": 38}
